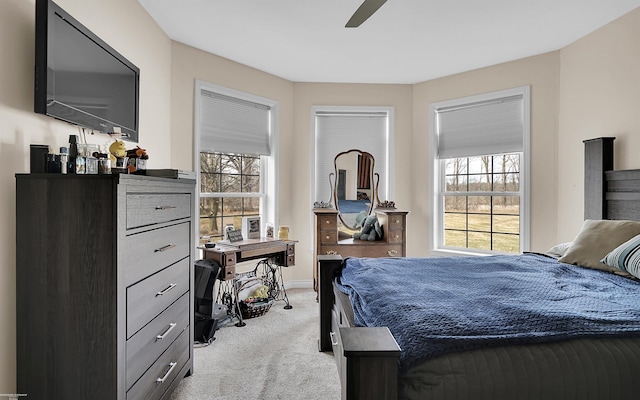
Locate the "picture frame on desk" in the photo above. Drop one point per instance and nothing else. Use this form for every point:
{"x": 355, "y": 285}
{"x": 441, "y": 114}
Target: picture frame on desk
{"x": 251, "y": 227}
{"x": 234, "y": 235}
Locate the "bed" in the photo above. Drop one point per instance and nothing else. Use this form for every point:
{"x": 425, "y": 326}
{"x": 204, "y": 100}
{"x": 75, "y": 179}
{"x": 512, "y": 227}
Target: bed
{"x": 353, "y": 212}
{"x": 539, "y": 353}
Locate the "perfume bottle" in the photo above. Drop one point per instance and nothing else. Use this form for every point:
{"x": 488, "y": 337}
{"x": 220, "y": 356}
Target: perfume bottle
{"x": 73, "y": 154}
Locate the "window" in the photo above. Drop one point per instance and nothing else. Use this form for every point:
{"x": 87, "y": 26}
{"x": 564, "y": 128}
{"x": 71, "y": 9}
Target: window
{"x": 235, "y": 145}
{"x": 338, "y": 129}
{"x": 480, "y": 190}
{"x": 229, "y": 190}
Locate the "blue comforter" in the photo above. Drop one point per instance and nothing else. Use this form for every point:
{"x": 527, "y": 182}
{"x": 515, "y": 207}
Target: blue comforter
{"x": 438, "y": 305}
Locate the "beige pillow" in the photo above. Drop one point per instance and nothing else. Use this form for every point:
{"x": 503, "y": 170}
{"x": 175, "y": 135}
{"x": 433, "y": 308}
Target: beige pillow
{"x": 596, "y": 239}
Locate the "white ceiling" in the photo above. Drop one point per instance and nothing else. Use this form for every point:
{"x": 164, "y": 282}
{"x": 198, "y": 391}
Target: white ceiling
{"x": 405, "y": 41}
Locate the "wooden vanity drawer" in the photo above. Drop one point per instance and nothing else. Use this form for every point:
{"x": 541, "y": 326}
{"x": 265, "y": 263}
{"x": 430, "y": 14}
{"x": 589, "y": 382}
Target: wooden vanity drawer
{"x": 151, "y": 250}
{"x": 395, "y": 236}
{"x": 155, "y": 381}
{"x": 368, "y": 249}
{"x": 151, "y": 296}
{"x": 326, "y": 236}
{"x": 395, "y": 222}
{"x": 148, "y": 209}
{"x": 327, "y": 222}
{"x": 152, "y": 340}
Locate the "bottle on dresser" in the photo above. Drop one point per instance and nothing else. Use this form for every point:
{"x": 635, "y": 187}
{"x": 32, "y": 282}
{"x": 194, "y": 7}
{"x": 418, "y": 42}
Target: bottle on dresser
{"x": 73, "y": 154}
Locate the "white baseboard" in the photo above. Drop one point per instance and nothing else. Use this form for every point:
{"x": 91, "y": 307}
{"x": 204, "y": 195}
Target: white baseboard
{"x": 299, "y": 284}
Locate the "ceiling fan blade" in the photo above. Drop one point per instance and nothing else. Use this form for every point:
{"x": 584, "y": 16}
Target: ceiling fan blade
{"x": 366, "y": 9}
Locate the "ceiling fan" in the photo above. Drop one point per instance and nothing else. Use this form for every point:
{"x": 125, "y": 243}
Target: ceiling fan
{"x": 366, "y": 9}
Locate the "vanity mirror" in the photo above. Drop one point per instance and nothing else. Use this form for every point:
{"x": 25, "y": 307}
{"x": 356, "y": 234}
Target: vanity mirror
{"x": 355, "y": 190}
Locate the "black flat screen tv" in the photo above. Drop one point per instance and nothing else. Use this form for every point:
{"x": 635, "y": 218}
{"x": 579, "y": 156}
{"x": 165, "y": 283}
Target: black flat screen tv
{"x": 81, "y": 79}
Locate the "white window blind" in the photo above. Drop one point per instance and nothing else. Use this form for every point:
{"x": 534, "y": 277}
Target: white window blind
{"x": 481, "y": 128}
{"x": 342, "y": 131}
{"x": 232, "y": 125}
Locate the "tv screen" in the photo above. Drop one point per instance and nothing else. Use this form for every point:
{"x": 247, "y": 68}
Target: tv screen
{"x": 81, "y": 79}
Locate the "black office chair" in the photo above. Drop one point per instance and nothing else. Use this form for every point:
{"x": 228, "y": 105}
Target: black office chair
{"x": 208, "y": 314}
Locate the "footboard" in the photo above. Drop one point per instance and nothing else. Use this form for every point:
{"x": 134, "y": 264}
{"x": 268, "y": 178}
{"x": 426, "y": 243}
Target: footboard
{"x": 367, "y": 358}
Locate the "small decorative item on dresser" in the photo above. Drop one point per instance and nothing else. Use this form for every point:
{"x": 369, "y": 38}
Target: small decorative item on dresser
{"x": 283, "y": 232}
{"x": 386, "y": 204}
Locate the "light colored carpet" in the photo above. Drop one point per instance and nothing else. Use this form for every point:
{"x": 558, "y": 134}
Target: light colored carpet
{"x": 275, "y": 356}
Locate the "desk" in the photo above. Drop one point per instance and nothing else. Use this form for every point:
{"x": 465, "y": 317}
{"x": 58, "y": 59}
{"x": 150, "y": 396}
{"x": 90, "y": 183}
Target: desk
{"x": 279, "y": 253}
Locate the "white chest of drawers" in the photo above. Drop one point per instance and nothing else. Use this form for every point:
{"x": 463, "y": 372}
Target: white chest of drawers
{"x": 103, "y": 279}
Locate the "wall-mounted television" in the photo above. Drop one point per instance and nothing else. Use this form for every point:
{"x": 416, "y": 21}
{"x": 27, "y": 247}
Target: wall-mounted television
{"x": 81, "y": 79}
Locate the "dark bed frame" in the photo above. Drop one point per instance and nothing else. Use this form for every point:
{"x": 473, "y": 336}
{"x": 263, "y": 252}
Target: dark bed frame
{"x": 367, "y": 357}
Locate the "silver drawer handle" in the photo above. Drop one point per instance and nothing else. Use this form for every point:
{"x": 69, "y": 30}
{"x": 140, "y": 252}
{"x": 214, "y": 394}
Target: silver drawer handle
{"x": 392, "y": 253}
{"x": 171, "y": 367}
{"x": 334, "y": 339}
{"x": 167, "y": 289}
{"x": 171, "y": 326}
{"x": 165, "y": 207}
{"x": 163, "y": 248}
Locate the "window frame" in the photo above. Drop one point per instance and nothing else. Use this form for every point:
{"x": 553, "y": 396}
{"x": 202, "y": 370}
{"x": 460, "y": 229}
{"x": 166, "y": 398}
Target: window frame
{"x": 268, "y": 164}
{"x": 437, "y": 188}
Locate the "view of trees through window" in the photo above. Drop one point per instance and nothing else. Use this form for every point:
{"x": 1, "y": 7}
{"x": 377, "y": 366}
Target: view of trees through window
{"x": 482, "y": 203}
{"x": 229, "y": 190}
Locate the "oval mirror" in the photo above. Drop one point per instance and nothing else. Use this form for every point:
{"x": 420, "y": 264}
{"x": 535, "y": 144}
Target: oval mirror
{"x": 354, "y": 190}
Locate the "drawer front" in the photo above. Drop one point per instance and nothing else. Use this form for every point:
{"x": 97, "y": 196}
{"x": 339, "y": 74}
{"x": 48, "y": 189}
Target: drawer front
{"x": 151, "y": 296}
{"x": 395, "y": 236}
{"x": 163, "y": 372}
{"x": 338, "y": 353}
{"x": 227, "y": 273}
{"x": 148, "y": 209}
{"x": 365, "y": 250}
{"x": 152, "y": 340}
{"x": 149, "y": 251}
{"x": 291, "y": 249}
{"x": 329, "y": 237}
{"x": 396, "y": 222}
{"x": 291, "y": 261}
{"x": 229, "y": 259}
{"x": 328, "y": 222}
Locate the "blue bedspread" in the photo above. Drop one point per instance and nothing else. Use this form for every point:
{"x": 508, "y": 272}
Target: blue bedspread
{"x": 438, "y": 305}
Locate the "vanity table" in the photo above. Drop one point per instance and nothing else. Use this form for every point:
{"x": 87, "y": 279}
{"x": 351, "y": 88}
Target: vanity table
{"x": 327, "y": 242}
{"x": 355, "y": 196}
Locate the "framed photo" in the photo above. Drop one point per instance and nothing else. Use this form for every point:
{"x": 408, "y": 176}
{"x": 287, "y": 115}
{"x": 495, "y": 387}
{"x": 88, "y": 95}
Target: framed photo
{"x": 234, "y": 235}
{"x": 251, "y": 227}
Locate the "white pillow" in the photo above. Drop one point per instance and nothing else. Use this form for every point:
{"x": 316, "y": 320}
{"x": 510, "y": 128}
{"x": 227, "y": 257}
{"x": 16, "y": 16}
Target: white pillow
{"x": 559, "y": 250}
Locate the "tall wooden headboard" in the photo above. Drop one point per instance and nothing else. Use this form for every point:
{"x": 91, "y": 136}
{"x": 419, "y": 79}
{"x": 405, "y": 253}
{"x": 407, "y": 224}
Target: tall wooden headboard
{"x": 608, "y": 194}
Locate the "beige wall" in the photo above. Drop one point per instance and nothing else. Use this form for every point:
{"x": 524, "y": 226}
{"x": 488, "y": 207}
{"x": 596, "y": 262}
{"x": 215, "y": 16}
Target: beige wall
{"x": 541, "y": 73}
{"x": 599, "y": 96}
{"x": 591, "y": 88}
{"x": 126, "y": 27}
{"x": 189, "y": 64}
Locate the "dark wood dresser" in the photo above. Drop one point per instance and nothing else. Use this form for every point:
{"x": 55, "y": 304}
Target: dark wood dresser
{"x": 327, "y": 242}
{"x": 103, "y": 285}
